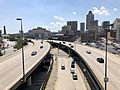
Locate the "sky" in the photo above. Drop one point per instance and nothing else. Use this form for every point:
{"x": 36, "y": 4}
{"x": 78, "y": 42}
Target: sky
{"x": 53, "y": 14}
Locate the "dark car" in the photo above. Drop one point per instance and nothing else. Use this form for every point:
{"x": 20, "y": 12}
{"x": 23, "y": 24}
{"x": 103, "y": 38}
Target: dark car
{"x": 33, "y": 53}
{"x": 41, "y": 41}
{"x": 63, "y": 42}
{"x": 72, "y": 46}
{"x": 41, "y": 46}
{"x": 63, "y": 67}
{"x": 69, "y": 44}
{"x": 1, "y": 53}
{"x": 72, "y": 65}
{"x": 88, "y": 52}
{"x": 100, "y": 60}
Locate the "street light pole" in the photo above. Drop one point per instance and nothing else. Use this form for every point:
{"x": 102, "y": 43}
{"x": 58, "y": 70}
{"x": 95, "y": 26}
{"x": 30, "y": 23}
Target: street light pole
{"x": 106, "y": 78}
{"x": 24, "y": 79}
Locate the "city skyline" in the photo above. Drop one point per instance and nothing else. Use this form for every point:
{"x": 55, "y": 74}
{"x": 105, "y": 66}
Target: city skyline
{"x": 53, "y": 14}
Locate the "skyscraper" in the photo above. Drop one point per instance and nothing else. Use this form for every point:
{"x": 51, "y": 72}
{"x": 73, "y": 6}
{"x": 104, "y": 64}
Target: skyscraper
{"x": 82, "y": 27}
{"x": 89, "y": 19}
{"x": 105, "y": 25}
{"x": 116, "y": 27}
{"x": 73, "y": 25}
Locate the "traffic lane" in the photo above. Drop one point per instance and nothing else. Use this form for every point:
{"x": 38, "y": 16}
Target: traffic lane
{"x": 113, "y": 74}
{"x": 13, "y": 53}
{"x": 92, "y": 63}
{"x": 64, "y": 80}
{"x": 14, "y": 71}
{"x": 113, "y": 70}
{"x": 81, "y": 83}
{"x": 31, "y": 61}
{"x": 65, "y": 76}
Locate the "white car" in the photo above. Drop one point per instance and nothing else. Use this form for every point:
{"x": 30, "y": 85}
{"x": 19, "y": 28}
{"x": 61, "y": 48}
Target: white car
{"x": 75, "y": 76}
{"x": 72, "y": 70}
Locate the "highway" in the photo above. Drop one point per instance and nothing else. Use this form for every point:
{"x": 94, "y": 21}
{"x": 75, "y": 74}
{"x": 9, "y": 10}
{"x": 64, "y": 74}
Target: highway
{"x": 98, "y": 68}
{"x": 11, "y": 65}
{"x": 64, "y": 79}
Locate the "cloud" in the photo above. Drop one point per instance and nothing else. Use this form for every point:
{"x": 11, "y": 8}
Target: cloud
{"x": 101, "y": 11}
{"x": 115, "y": 9}
{"x": 59, "y": 18}
{"x": 52, "y": 23}
{"x": 57, "y": 25}
{"x": 74, "y": 13}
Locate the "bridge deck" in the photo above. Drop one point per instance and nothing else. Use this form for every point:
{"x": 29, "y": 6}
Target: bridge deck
{"x": 11, "y": 67}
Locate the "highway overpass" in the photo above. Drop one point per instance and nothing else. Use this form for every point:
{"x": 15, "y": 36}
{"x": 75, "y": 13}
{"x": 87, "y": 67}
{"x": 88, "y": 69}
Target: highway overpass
{"x": 96, "y": 67}
{"x": 11, "y": 66}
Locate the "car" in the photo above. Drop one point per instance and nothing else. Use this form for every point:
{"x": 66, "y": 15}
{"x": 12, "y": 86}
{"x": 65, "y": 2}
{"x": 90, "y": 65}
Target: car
{"x": 87, "y": 43}
{"x": 72, "y": 46}
{"x": 1, "y": 53}
{"x": 74, "y": 76}
{"x": 41, "y": 41}
{"x": 33, "y": 53}
{"x": 41, "y": 46}
{"x": 72, "y": 65}
{"x": 69, "y": 44}
{"x": 63, "y": 67}
{"x": 73, "y": 62}
{"x": 88, "y": 52}
{"x": 63, "y": 42}
{"x": 100, "y": 60}
{"x": 72, "y": 70}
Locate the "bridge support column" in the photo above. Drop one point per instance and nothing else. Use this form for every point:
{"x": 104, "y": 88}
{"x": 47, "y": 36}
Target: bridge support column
{"x": 29, "y": 82}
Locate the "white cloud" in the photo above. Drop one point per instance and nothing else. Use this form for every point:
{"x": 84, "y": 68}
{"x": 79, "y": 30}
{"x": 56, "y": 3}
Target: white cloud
{"x": 56, "y": 23}
{"x": 101, "y": 11}
{"x": 59, "y": 18}
{"x": 59, "y": 23}
{"x": 115, "y": 9}
{"x": 52, "y": 23}
{"x": 74, "y": 13}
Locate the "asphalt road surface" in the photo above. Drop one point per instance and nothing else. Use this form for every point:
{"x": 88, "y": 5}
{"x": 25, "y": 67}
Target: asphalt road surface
{"x": 64, "y": 79}
{"x": 11, "y": 67}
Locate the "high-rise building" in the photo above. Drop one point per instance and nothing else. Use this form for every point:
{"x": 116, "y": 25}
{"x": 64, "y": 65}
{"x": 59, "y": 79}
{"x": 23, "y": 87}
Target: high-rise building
{"x": 73, "y": 25}
{"x": 105, "y": 25}
{"x": 91, "y": 26}
{"x": 4, "y": 29}
{"x": 116, "y": 26}
{"x": 82, "y": 27}
{"x": 89, "y": 19}
{"x": 67, "y": 30}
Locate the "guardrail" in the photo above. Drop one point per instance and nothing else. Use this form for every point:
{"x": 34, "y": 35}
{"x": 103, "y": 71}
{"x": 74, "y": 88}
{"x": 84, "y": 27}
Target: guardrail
{"x": 88, "y": 73}
{"x": 47, "y": 76}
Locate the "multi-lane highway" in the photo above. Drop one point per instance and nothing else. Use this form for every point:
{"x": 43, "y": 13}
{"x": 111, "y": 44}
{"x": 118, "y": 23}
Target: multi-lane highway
{"x": 64, "y": 78}
{"x": 98, "y": 68}
{"x": 11, "y": 65}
